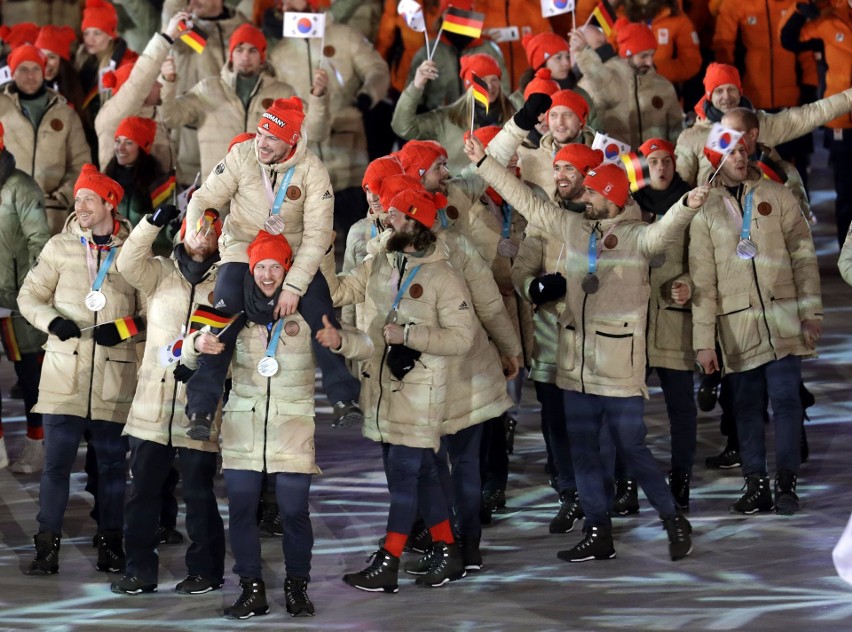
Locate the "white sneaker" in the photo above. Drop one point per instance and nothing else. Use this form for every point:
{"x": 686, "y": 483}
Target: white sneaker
{"x": 4, "y": 458}
{"x": 32, "y": 458}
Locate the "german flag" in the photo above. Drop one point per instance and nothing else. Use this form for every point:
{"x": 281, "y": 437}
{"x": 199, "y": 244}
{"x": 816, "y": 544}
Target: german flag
{"x": 10, "y": 342}
{"x": 90, "y": 97}
{"x": 128, "y": 326}
{"x": 207, "y": 221}
{"x": 162, "y": 189}
{"x": 637, "y": 170}
{"x": 605, "y": 16}
{"x": 467, "y": 23}
{"x": 771, "y": 170}
{"x": 209, "y": 317}
{"x": 480, "y": 91}
{"x": 194, "y": 37}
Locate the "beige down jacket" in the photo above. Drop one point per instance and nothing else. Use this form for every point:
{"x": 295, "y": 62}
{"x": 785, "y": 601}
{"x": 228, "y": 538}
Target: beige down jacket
{"x": 755, "y": 307}
{"x": 79, "y": 377}
{"x": 602, "y": 340}
{"x": 436, "y": 308}
{"x": 354, "y": 67}
{"x": 157, "y": 412}
{"x": 630, "y": 107}
{"x": 775, "y": 129}
{"x": 307, "y": 211}
{"x": 129, "y": 101}
{"x": 844, "y": 263}
{"x": 268, "y": 423}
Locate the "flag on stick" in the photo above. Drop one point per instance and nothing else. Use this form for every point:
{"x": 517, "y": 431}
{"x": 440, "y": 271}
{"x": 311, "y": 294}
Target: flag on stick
{"x": 10, "y": 341}
{"x": 162, "y": 189}
{"x": 480, "y": 91}
{"x": 550, "y": 8}
{"x": 638, "y": 171}
{"x": 461, "y": 22}
{"x": 304, "y": 25}
{"x": 604, "y": 14}
{"x": 722, "y": 139}
{"x": 209, "y": 317}
{"x": 771, "y": 170}
{"x": 193, "y": 36}
{"x": 412, "y": 13}
{"x": 610, "y": 147}
{"x": 128, "y": 326}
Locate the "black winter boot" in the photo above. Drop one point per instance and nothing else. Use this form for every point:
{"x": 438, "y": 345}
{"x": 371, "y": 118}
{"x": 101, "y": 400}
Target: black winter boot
{"x": 626, "y": 497}
{"x": 680, "y": 543}
{"x": 296, "y": 596}
{"x": 46, "y": 560}
{"x": 380, "y": 575}
{"x": 110, "y": 552}
{"x": 786, "y": 499}
{"x": 757, "y": 496}
{"x": 679, "y": 486}
{"x": 569, "y": 513}
{"x": 252, "y": 601}
{"x": 446, "y": 565}
{"x": 595, "y": 545}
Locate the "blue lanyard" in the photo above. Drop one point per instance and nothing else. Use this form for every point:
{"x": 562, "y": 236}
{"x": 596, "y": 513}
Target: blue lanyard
{"x": 593, "y": 251}
{"x": 404, "y": 286}
{"x": 105, "y": 266}
{"x": 276, "y": 336}
{"x": 507, "y": 221}
{"x": 442, "y": 217}
{"x": 373, "y": 231}
{"x": 746, "y": 230}
{"x": 282, "y": 191}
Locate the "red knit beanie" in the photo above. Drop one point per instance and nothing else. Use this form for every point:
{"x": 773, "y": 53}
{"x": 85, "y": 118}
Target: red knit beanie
{"x": 572, "y": 101}
{"x": 109, "y": 190}
{"x": 484, "y": 134}
{"x": 141, "y": 131}
{"x": 241, "y": 138}
{"x": 419, "y": 205}
{"x": 610, "y": 181}
{"x": 114, "y": 79}
{"x": 248, "y": 34}
{"x": 464, "y": 5}
{"x": 479, "y": 64}
{"x": 25, "y": 52}
{"x": 23, "y": 33}
{"x": 101, "y": 15}
{"x": 541, "y": 84}
{"x": 657, "y": 144}
{"x": 284, "y": 119}
{"x": 266, "y": 246}
{"x": 634, "y": 38}
{"x": 718, "y": 75}
{"x": 378, "y": 170}
{"x": 56, "y": 39}
{"x": 541, "y": 47}
{"x": 393, "y": 185}
{"x": 417, "y": 156}
{"x": 579, "y": 156}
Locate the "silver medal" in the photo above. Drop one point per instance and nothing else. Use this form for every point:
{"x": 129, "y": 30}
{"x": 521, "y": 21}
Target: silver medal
{"x": 274, "y": 225}
{"x": 658, "y": 260}
{"x": 268, "y": 366}
{"x": 746, "y": 249}
{"x": 591, "y": 283}
{"x": 95, "y": 300}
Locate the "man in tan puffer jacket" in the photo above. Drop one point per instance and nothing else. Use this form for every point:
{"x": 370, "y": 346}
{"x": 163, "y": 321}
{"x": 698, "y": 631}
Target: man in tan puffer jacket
{"x": 757, "y": 290}
{"x": 88, "y": 377}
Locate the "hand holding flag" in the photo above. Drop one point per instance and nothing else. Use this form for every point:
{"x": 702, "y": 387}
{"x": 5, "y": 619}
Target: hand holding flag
{"x": 610, "y": 147}
{"x": 111, "y": 333}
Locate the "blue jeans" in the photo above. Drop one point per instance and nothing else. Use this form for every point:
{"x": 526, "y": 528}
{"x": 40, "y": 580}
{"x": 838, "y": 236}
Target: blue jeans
{"x": 458, "y": 467}
{"x": 413, "y": 483}
{"x": 291, "y": 490}
{"x": 622, "y": 416}
{"x": 779, "y": 379}
{"x": 62, "y": 434}
{"x": 554, "y": 428}
{"x": 150, "y": 465}
{"x": 679, "y": 393}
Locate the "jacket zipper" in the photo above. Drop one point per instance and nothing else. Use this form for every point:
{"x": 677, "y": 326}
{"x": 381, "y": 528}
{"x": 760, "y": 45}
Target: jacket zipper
{"x": 638, "y": 109}
{"x": 771, "y": 57}
{"x": 268, "y": 395}
{"x": 35, "y": 133}
{"x": 221, "y": 41}
{"x": 583, "y": 348}
{"x": 175, "y": 388}
{"x": 94, "y": 347}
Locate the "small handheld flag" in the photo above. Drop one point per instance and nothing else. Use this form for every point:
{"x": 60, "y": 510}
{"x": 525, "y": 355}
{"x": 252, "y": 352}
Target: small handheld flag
{"x": 304, "y": 25}
{"x": 412, "y": 13}
{"x": 771, "y": 170}
{"x": 550, "y": 8}
{"x": 193, "y": 36}
{"x": 461, "y": 22}
{"x": 480, "y": 91}
{"x": 163, "y": 188}
{"x": 604, "y": 14}
{"x": 111, "y": 333}
{"x": 638, "y": 171}
{"x": 610, "y": 147}
{"x": 210, "y": 317}
{"x": 207, "y": 222}
{"x": 722, "y": 139}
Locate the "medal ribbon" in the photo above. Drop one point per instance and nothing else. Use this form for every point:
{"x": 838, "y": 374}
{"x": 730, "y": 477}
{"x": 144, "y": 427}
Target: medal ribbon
{"x": 98, "y": 280}
{"x": 404, "y": 286}
{"x": 745, "y": 232}
{"x": 282, "y": 190}
{"x": 593, "y": 247}
{"x": 276, "y": 336}
{"x": 442, "y": 217}
{"x": 507, "y": 221}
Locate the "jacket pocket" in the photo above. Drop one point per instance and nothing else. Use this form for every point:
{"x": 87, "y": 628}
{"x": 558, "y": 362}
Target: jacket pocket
{"x": 238, "y": 425}
{"x": 293, "y": 434}
{"x": 149, "y": 406}
{"x": 672, "y": 331}
{"x": 613, "y": 350}
{"x": 60, "y": 368}
{"x": 785, "y": 311}
{"x": 414, "y": 400}
{"x": 119, "y": 383}
{"x": 738, "y": 330}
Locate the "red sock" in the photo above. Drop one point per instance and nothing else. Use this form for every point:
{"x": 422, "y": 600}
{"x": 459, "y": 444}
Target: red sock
{"x": 442, "y": 532}
{"x": 395, "y": 543}
{"x": 36, "y": 434}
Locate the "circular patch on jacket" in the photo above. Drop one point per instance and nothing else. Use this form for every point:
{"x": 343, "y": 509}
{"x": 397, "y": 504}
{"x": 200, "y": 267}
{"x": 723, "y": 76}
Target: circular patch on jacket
{"x": 452, "y": 212}
{"x": 416, "y": 290}
{"x": 293, "y": 192}
{"x": 291, "y": 328}
{"x": 210, "y": 298}
{"x": 657, "y": 102}
{"x": 267, "y": 103}
{"x": 56, "y": 125}
{"x": 764, "y": 208}
{"x": 611, "y": 241}
{"x": 328, "y": 51}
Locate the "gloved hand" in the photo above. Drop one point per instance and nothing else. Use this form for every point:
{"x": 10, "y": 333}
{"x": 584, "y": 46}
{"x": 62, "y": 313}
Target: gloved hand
{"x": 183, "y": 373}
{"x": 548, "y": 287}
{"x": 363, "y": 102}
{"x": 808, "y": 9}
{"x": 538, "y": 103}
{"x": 401, "y": 360}
{"x": 164, "y": 214}
{"x": 63, "y": 328}
{"x": 106, "y": 335}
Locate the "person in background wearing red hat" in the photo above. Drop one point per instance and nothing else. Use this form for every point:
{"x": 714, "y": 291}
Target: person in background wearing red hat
{"x": 634, "y": 102}
{"x": 60, "y": 75}
{"x": 17, "y": 35}
{"x": 88, "y": 377}
{"x": 272, "y": 181}
{"x": 23, "y": 233}
{"x": 601, "y": 357}
{"x": 757, "y": 291}
{"x": 173, "y": 286}
{"x": 273, "y": 373}
{"x": 43, "y": 133}
{"x": 723, "y": 92}
{"x": 420, "y": 315}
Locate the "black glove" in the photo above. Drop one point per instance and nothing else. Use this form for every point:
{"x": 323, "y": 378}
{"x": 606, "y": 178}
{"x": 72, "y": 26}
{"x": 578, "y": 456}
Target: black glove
{"x": 183, "y": 373}
{"x": 808, "y": 9}
{"x": 401, "y": 360}
{"x": 106, "y": 335}
{"x": 363, "y": 102}
{"x": 538, "y": 103}
{"x": 63, "y": 328}
{"x": 164, "y": 214}
{"x": 548, "y": 287}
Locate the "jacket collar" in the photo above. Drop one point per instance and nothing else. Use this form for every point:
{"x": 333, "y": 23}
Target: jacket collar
{"x": 73, "y": 226}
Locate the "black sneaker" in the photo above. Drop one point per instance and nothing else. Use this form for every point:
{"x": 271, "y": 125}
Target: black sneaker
{"x": 595, "y": 545}
{"x": 678, "y": 530}
{"x": 756, "y": 498}
{"x": 626, "y": 500}
{"x": 347, "y": 414}
{"x": 380, "y": 575}
{"x": 679, "y": 486}
{"x": 447, "y": 565}
{"x": 199, "y": 426}
{"x": 166, "y": 535}
{"x": 46, "y": 560}
{"x": 786, "y": 499}
{"x": 132, "y": 585}
{"x": 511, "y": 425}
{"x": 197, "y": 585}
{"x": 728, "y": 459}
{"x": 110, "y": 552}
{"x": 252, "y": 601}
{"x": 471, "y": 555}
{"x": 569, "y": 513}
{"x": 296, "y": 596}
